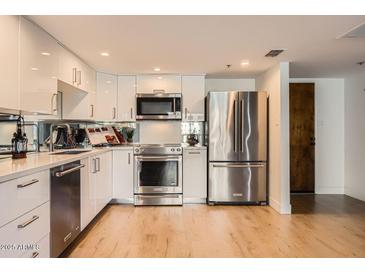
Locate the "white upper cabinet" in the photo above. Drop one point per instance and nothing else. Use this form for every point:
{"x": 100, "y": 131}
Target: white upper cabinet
{"x": 193, "y": 94}
{"x": 78, "y": 104}
{"x": 158, "y": 83}
{"x": 38, "y": 69}
{"x": 106, "y": 96}
{"x": 127, "y": 98}
{"x": 9, "y": 93}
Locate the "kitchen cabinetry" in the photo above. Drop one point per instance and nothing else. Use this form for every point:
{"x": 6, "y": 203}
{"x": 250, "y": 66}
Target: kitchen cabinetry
{"x": 123, "y": 175}
{"x": 25, "y": 215}
{"x": 158, "y": 83}
{"x": 193, "y": 94}
{"x": 38, "y": 68}
{"x": 77, "y": 104}
{"x": 101, "y": 177}
{"x": 126, "y": 98}
{"x": 88, "y": 210}
{"x": 75, "y": 72}
{"x": 9, "y": 93}
{"x": 106, "y": 96}
{"x": 195, "y": 174}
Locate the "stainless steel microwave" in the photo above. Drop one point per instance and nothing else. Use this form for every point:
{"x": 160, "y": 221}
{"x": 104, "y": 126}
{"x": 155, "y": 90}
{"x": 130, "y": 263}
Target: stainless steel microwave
{"x": 158, "y": 106}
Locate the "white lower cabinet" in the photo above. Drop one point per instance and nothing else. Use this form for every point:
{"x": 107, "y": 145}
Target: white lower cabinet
{"x": 123, "y": 175}
{"x": 100, "y": 181}
{"x": 195, "y": 175}
{"x": 88, "y": 211}
{"x": 23, "y": 234}
{"x": 40, "y": 250}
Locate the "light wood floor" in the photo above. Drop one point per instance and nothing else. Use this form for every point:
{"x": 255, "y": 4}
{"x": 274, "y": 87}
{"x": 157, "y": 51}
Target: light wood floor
{"x": 321, "y": 226}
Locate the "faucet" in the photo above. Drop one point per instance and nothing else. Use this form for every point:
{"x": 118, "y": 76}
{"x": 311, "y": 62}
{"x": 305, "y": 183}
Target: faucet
{"x": 51, "y": 143}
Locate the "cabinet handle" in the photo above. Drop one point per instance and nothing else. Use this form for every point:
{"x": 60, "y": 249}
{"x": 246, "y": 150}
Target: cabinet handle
{"x": 194, "y": 152}
{"x": 74, "y": 71}
{"x": 98, "y": 159}
{"x": 53, "y": 104}
{"x": 80, "y": 74}
{"x": 131, "y": 113}
{"x": 186, "y": 113}
{"x": 25, "y": 224}
{"x": 28, "y": 184}
{"x": 159, "y": 91}
{"x": 114, "y": 112}
{"x": 94, "y": 164}
{"x": 129, "y": 158}
{"x": 92, "y": 110}
{"x": 35, "y": 254}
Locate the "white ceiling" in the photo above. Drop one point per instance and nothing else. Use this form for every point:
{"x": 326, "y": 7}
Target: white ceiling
{"x": 205, "y": 44}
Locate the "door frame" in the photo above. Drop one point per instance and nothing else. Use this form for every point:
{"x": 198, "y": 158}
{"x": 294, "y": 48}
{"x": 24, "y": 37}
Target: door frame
{"x": 303, "y": 81}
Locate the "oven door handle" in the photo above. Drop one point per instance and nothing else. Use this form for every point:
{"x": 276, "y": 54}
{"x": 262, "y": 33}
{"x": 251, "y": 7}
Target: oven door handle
{"x": 159, "y": 158}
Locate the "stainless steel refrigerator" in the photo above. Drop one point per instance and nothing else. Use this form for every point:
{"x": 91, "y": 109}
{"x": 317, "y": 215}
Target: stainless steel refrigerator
{"x": 237, "y": 128}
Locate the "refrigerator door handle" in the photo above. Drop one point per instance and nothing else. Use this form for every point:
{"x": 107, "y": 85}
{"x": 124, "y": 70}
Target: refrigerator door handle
{"x": 242, "y": 125}
{"x": 239, "y": 165}
{"x": 236, "y": 137}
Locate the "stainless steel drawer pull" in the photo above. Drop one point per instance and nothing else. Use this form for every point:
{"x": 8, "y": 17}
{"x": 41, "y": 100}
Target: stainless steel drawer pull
{"x": 23, "y": 225}
{"x": 35, "y": 254}
{"x": 68, "y": 236}
{"x": 28, "y": 184}
{"x": 194, "y": 152}
{"x": 68, "y": 171}
{"x": 241, "y": 166}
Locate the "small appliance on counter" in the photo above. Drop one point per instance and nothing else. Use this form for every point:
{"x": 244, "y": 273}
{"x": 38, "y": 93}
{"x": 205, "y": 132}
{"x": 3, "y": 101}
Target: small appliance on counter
{"x": 19, "y": 141}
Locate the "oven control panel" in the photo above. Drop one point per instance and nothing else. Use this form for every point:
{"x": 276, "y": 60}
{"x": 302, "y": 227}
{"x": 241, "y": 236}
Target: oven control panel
{"x": 157, "y": 150}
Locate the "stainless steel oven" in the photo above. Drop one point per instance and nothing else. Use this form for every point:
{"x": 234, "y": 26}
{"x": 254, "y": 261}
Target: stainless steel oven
{"x": 158, "y": 175}
{"x": 158, "y": 106}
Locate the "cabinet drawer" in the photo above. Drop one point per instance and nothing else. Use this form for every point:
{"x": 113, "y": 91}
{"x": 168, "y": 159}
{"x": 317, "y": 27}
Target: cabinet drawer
{"x": 39, "y": 250}
{"x": 22, "y": 195}
{"x": 27, "y": 230}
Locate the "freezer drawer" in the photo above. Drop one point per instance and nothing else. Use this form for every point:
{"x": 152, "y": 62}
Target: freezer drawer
{"x": 237, "y": 182}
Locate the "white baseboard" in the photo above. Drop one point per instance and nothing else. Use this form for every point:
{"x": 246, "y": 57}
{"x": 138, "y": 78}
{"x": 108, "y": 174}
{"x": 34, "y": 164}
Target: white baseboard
{"x": 330, "y": 190}
{"x": 282, "y": 209}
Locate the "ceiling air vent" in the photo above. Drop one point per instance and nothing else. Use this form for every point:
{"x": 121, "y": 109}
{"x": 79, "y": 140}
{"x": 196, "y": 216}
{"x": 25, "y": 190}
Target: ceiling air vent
{"x": 274, "y": 52}
{"x": 356, "y": 32}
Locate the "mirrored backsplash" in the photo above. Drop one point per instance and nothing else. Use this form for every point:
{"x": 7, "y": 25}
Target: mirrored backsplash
{"x": 147, "y": 132}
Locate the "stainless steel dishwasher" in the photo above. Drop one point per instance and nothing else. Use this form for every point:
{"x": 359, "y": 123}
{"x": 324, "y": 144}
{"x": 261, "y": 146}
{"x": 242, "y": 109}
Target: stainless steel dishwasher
{"x": 65, "y": 206}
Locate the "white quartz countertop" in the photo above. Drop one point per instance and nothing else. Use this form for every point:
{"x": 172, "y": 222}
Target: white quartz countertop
{"x": 11, "y": 169}
{"x": 196, "y": 147}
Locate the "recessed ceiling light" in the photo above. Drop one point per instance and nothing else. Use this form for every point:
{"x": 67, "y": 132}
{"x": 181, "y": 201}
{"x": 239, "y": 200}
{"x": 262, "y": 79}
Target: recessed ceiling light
{"x": 159, "y": 78}
{"x": 108, "y": 82}
{"x": 104, "y": 54}
{"x": 156, "y": 69}
{"x": 245, "y": 63}
{"x": 45, "y": 53}
{"x": 34, "y": 69}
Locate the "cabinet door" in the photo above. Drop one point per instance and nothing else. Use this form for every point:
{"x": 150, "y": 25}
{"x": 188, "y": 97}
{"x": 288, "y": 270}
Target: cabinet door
{"x": 127, "y": 98}
{"x": 106, "y": 96}
{"x": 193, "y": 94}
{"x": 156, "y": 83}
{"x": 38, "y": 69}
{"x": 195, "y": 175}
{"x": 87, "y": 191}
{"x": 123, "y": 175}
{"x": 106, "y": 175}
{"x": 67, "y": 66}
{"x": 9, "y": 30}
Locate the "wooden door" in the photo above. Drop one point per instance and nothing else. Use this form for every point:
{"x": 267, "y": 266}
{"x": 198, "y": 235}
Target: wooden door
{"x": 302, "y": 137}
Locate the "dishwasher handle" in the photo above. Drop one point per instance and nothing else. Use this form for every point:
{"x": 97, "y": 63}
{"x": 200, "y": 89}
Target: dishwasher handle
{"x": 68, "y": 171}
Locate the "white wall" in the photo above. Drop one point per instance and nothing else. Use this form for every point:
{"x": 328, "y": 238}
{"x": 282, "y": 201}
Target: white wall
{"x": 355, "y": 135}
{"x": 276, "y": 82}
{"x": 229, "y": 84}
{"x": 329, "y": 134}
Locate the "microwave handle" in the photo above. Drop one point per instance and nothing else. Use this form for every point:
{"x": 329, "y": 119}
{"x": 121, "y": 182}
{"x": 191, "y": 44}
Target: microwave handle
{"x": 159, "y": 91}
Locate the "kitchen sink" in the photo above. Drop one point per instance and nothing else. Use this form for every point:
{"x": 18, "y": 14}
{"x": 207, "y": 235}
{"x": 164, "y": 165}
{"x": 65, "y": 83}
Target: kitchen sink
{"x": 65, "y": 152}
